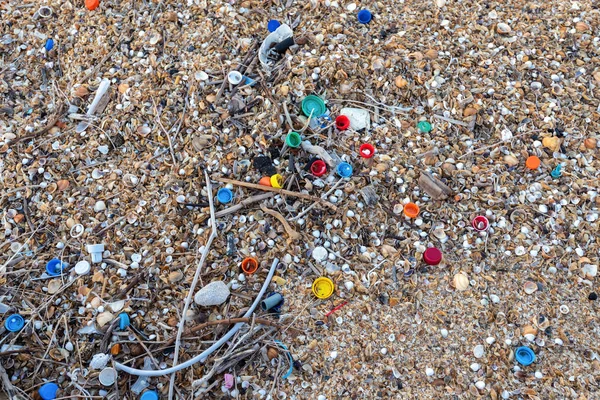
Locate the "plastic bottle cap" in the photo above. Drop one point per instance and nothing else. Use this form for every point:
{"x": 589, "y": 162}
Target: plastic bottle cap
{"x": 432, "y": 256}
{"x": 293, "y": 139}
{"x": 95, "y": 251}
{"x": 533, "y": 162}
{"x": 277, "y": 181}
{"x": 92, "y": 4}
{"x": 149, "y": 395}
{"x": 14, "y": 323}
{"x": 224, "y": 195}
{"x": 273, "y": 24}
{"x": 480, "y": 223}
{"x": 525, "y": 356}
{"x": 364, "y": 16}
{"x": 344, "y": 170}
{"x": 107, "y": 376}
{"x": 265, "y": 181}
{"x": 55, "y": 267}
{"x": 342, "y": 122}
{"x": 323, "y": 287}
{"x": 249, "y": 265}
{"x": 366, "y": 150}
{"x": 313, "y": 106}
{"x": 48, "y": 391}
{"x": 234, "y": 77}
{"x": 424, "y": 126}
{"x": 124, "y": 321}
{"x": 83, "y": 267}
{"x": 411, "y": 210}
{"x": 318, "y": 168}
{"x": 49, "y": 44}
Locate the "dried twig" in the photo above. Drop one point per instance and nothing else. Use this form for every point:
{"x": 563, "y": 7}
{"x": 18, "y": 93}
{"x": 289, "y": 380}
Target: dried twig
{"x": 213, "y": 235}
{"x": 243, "y": 204}
{"x": 307, "y": 209}
{"x": 276, "y": 190}
{"x": 290, "y": 231}
{"x": 61, "y": 112}
{"x": 8, "y": 387}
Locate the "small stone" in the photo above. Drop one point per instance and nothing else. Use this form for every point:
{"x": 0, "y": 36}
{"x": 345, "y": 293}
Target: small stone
{"x": 593, "y": 296}
{"x": 213, "y": 294}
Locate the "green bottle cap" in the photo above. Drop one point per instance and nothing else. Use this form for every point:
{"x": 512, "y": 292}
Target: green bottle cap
{"x": 424, "y": 126}
{"x": 293, "y": 139}
{"x": 313, "y": 106}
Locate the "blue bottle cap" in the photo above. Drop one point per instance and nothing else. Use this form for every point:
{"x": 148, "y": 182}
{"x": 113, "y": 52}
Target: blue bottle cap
{"x": 48, "y": 391}
{"x": 55, "y": 267}
{"x": 273, "y": 25}
{"x": 149, "y": 395}
{"x": 525, "y": 356}
{"x": 344, "y": 170}
{"x": 124, "y": 321}
{"x": 224, "y": 195}
{"x": 49, "y": 44}
{"x": 364, "y": 16}
{"x": 14, "y": 323}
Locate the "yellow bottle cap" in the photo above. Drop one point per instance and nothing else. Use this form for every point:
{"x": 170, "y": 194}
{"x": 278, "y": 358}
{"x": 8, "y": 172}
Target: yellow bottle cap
{"x": 323, "y": 287}
{"x": 277, "y": 181}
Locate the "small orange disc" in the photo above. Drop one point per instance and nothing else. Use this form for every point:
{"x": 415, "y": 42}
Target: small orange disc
{"x": 411, "y": 210}
{"x": 533, "y": 162}
{"x": 92, "y": 4}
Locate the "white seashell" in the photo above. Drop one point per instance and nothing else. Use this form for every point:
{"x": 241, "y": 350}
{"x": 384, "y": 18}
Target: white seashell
{"x": 104, "y": 318}
{"x": 349, "y": 285}
{"x": 144, "y": 130}
{"x": 130, "y": 180}
{"x": 503, "y": 28}
{"x": 201, "y": 76}
{"x": 589, "y": 270}
{"x": 117, "y": 306}
{"x": 440, "y": 3}
{"x": 564, "y": 309}
{"x": 461, "y": 281}
{"x": 99, "y": 206}
{"x": 530, "y": 287}
{"x": 97, "y": 174}
{"x": 478, "y": 351}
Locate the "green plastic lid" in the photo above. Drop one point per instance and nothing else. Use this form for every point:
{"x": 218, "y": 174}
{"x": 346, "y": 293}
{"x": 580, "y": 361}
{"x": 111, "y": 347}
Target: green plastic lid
{"x": 313, "y": 104}
{"x": 293, "y": 139}
{"x": 424, "y": 126}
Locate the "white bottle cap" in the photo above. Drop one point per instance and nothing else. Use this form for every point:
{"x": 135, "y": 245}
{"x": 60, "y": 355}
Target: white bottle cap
{"x": 95, "y": 251}
{"x": 82, "y": 267}
{"x": 107, "y": 376}
{"x": 234, "y": 77}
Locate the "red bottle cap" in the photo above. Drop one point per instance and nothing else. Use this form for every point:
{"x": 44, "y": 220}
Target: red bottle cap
{"x": 480, "y": 223}
{"x": 366, "y": 150}
{"x": 342, "y": 122}
{"x": 318, "y": 168}
{"x": 432, "y": 256}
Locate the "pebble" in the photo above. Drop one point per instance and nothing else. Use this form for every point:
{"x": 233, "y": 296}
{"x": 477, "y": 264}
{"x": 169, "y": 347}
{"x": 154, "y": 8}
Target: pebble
{"x": 213, "y": 294}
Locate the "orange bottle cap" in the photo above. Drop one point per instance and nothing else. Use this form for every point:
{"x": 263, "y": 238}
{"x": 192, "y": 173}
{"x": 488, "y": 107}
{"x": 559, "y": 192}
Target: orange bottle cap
{"x": 265, "y": 181}
{"x": 250, "y": 265}
{"x": 411, "y": 210}
{"x": 533, "y": 162}
{"x": 92, "y": 4}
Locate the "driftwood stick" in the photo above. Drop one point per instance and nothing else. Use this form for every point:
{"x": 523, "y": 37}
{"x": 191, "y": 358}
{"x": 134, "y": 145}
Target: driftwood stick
{"x": 290, "y": 231}
{"x": 243, "y": 204}
{"x": 276, "y": 190}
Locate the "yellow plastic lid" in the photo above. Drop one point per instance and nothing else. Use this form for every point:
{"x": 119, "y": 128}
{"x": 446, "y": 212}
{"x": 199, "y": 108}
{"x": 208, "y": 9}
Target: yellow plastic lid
{"x": 323, "y": 287}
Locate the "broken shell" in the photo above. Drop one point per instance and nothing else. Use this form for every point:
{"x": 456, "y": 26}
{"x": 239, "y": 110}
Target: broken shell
{"x": 529, "y": 332}
{"x": 202, "y": 142}
{"x": 431, "y": 54}
{"x": 63, "y": 184}
{"x": 511, "y": 161}
{"x": 51, "y": 188}
{"x": 400, "y": 82}
{"x": 563, "y": 309}
{"x": 503, "y": 28}
{"x": 582, "y": 26}
{"x": 551, "y": 142}
{"x": 130, "y": 180}
{"x": 144, "y": 130}
{"x": 530, "y": 287}
{"x": 104, "y": 318}
{"x": 590, "y": 143}
{"x": 461, "y": 281}
{"x": 18, "y": 218}
{"x": 54, "y": 286}
{"x": 175, "y": 276}
{"x": 440, "y": 3}
{"x": 589, "y": 270}
{"x": 81, "y": 91}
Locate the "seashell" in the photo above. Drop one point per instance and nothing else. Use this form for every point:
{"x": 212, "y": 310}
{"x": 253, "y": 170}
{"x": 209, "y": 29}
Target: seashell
{"x": 469, "y": 111}
{"x": 530, "y": 332}
{"x": 530, "y": 287}
{"x": 56, "y": 354}
{"x": 18, "y": 218}
{"x": 104, "y": 318}
{"x": 478, "y": 351}
{"x": 272, "y": 353}
{"x": 54, "y": 286}
{"x": 503, "y": 29}
{"x": 81, "y": 91}
{"x": 582, "y": 26}
{"x": 563, "y": 309}
{"x": 551, "y": 142}
{"x": 440, "y": 3}
{"x": 461, "y": 281}
{"x": 511, "y": 161}
{"x": 175, "y": 276}
{"x": 155, "y": 39}
{"x": 63, "y": 184}
{"x": 116, "y": 306}
{"x": 143, "y": 130}
{"x": 400, "y": 82}
{"x": 51, "y": 188}
{"x": 431, "y": 54}
{"x": 589, "y": 270}
{"x": 97, "y": 174}
{"x": 123, "y": 88}
{"x": 130, "y": 180}
{"x": 590, "y": 143}
{"x": 202, "y": 142}
{"x": 201, "y": 76}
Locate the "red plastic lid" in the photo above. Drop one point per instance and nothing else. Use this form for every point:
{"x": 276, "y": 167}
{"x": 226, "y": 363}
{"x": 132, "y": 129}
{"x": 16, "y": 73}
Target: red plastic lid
{"x": 318, "y": 168}
{"x": 480, "y": 223}
{"x": 366, "y": 150}
{"x": 342, "y": 122}
{"x": 432, "y": 256}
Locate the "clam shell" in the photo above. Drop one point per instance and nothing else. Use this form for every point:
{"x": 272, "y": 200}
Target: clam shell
{"x": 54, "y": 286}
{"x": 104, "y": 318}
{"x": 130, "y": 180}
{"x": 461, "y": 281}
{"x": 530, "y": 287}
{"x": 143, "y": 130}
{"x": 202, "y": 142}
{"x": 63, "y": 184}
{"x": 51, "y": 188}
{"x": 503, "y": 28}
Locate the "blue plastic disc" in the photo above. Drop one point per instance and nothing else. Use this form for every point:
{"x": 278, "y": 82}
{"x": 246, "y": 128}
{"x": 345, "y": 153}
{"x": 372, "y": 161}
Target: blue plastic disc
{"x": 55, "y": 267}
{"x": 14, "y": 323}
{"x": 149, "y": 395}
{"x": 124, "y": 321}
{"x": 224, "y": 195}
{"x": 364, "y": 16}
{"x": 344, "y": 170}
{"x": 48, "y": 391}
{"x": 525, "y": 356}
{"x": 49, "y": 44}
{"x": 273, "y": 25}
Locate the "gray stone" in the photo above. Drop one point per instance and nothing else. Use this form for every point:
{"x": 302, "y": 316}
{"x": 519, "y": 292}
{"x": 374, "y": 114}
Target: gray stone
{"x": 213, "y": 294}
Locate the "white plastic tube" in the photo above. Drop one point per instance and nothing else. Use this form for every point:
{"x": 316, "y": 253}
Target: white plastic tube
{"x": 204, "y": 355}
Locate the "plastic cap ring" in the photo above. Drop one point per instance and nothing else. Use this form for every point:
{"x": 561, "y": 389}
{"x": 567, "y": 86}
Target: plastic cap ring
{"x": 318, "y": 168}
{"x": 249, "y": 265}
{"x": 364, "y": 16}
{"x": 533, "y": 162}
{"x": 14, "y": 323}
{"x": 344, "y": 170}
{"x": 277, "y": 181}
{"x": 411, "y": 210}
{"x": 525, "y": 356}
{"x": 323, "y": 287}
{"x": 342, "y": 122}
{"x": 366, "y": 150}
{"x": 224, "y": 195}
